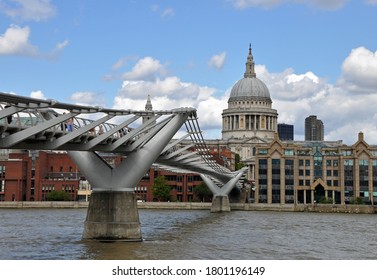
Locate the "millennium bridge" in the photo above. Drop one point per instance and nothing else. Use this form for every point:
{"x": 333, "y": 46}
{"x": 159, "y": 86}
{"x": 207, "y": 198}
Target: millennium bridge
{"x": 143, "y": 138}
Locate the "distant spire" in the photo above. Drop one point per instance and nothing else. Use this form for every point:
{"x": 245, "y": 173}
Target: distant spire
{"x": 148, "y": 105}
{"x": 250, "y": 72}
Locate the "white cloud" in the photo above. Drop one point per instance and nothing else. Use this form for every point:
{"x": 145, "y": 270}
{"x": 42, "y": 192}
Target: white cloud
{"x": 359, "y": 71}
{"x": 118, "y": 64}
{"x": 37, "y": 94}
{"x": 35, "y": 10}
{"x": 164, "y": 13}
{"x": 218, "y": 60}
{"x": 371, "y": 2}
{"x": 343, "y": 111}
{"x": 146, "y": 68}
{"x": 88, "y": 98}
{"x": 268, "y": 4}
{"x": 167, "y": 13}
{"x": 346, "y": 107}
{"x": 15, "y": 41}
{"x": 171, "y": 92}
{"x": 62, "y": 45}
{"x": 170, "y": 86}
{"x": 290, "y": 86}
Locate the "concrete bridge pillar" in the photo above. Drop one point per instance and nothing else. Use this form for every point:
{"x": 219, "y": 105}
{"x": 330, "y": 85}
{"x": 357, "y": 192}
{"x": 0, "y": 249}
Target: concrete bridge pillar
{"x": 220, "y": 200}
{"x": 112, "y": 215}
{"x": 220, "y": 203}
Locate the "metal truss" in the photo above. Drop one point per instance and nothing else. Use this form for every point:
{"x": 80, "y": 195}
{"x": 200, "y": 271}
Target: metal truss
{"x": 37, "y": 124}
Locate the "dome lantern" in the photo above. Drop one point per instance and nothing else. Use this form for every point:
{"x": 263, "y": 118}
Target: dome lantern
{"x": 250, "y": 88}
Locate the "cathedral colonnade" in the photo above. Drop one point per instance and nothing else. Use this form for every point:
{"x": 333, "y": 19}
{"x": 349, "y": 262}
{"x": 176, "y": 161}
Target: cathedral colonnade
{"x": 251, "y": 122}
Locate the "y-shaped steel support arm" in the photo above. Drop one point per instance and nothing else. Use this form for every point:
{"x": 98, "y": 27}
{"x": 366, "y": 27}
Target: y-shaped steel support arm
{"x": 125, "y": 177}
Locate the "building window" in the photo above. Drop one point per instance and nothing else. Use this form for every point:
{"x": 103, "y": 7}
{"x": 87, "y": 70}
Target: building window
{"x": 364, "y": 175}
{"x": 276, "y": 182}
{"x": 348, "y": 180}
{"x": 347, "y": 153}
{"x": 263, "y": 151}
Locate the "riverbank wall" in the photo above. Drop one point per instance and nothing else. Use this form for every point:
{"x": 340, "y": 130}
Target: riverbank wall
{"x": 319, "y": 208}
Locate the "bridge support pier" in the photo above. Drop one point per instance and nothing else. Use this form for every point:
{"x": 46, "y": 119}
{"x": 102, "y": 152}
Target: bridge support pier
{"x": 220, "y": 200}
{"x": 220, "y": 203}
{"x": 112, "y": 216}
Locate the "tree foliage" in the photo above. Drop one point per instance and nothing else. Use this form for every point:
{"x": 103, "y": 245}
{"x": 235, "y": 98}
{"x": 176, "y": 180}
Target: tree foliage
{"x": 161, "y": 190}
{"x": 238, "y": 162}
{"x": 202, "y": 192}
{"x": 58, "y": 195}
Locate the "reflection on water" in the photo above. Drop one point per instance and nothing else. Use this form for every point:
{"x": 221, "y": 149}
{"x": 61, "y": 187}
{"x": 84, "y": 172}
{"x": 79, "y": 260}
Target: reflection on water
{"x": 190, "y": 234}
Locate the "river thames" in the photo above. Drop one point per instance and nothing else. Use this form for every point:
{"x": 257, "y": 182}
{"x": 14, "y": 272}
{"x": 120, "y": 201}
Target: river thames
{"x": 55, "y": 234}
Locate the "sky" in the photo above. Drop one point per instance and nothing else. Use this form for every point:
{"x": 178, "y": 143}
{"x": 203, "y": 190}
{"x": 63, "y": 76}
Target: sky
{"x": 317, "y": 57}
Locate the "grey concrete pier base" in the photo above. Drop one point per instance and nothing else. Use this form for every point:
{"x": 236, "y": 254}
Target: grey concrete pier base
{"x": 112, "y": 216}
{"x": 220, "y": 203}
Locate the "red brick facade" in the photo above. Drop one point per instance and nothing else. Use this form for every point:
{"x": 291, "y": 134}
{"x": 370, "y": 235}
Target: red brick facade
{"x": 30, "y": 176}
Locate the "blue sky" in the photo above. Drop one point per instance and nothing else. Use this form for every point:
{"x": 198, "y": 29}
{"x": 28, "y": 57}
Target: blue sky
{"x": 316, "y": 56}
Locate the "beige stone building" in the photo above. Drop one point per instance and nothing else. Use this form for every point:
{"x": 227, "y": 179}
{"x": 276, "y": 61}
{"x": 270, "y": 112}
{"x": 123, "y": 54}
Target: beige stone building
{"x": 310, "y": 172}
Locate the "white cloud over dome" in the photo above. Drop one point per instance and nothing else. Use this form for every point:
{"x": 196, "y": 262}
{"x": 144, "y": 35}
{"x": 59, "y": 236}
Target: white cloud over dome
{"x": 294, "y": 95}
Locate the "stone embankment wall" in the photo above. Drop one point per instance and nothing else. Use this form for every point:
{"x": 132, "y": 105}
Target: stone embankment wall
{"x": 320, "y": 208}
{"x": 43, "y": 204}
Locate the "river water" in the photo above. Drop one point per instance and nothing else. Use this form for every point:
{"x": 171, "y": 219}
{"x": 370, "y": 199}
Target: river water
{"x": 55, "y": 234}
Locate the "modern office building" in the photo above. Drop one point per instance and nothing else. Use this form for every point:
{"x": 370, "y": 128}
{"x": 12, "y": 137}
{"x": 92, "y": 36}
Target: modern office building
{"x": 286, "y": 132}
{"x": 314, "y": 129}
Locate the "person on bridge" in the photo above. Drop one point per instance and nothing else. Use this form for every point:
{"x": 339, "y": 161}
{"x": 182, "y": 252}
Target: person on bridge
{"x": 69, "y": 124}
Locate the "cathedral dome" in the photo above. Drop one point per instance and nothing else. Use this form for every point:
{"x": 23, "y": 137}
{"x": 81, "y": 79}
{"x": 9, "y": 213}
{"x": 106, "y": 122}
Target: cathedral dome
{"x": 250, "y": 88}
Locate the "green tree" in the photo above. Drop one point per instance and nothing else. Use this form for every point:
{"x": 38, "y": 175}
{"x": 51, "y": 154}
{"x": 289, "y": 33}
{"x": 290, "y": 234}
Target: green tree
{"x": 238, "y": 162}
{"x": 202, "y": 192}
{"x": 161, "y": 190}
{"x": 58, "y": 196}
{"x": 358, "y": 200}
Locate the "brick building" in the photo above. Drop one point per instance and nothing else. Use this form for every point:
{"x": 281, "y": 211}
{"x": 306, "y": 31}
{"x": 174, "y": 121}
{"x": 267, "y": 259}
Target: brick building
{"x": 31, "y": 175}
